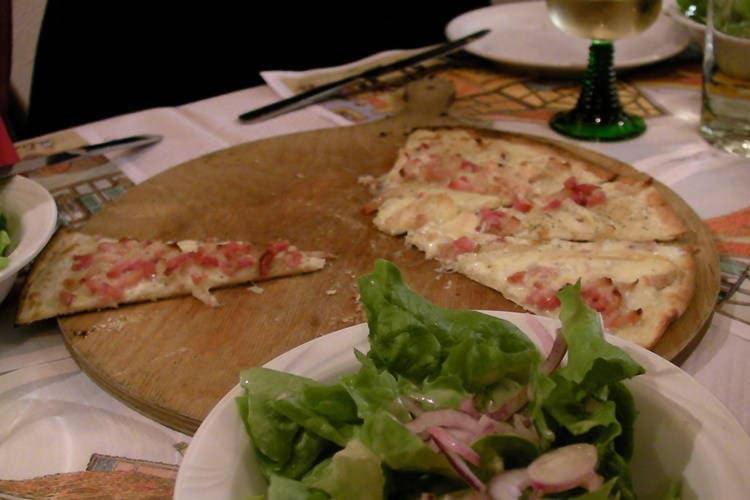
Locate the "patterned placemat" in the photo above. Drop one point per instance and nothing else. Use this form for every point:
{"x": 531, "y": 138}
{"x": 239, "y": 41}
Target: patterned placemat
{"x": 487, "y": 92}
{"x": 80, "y": 187}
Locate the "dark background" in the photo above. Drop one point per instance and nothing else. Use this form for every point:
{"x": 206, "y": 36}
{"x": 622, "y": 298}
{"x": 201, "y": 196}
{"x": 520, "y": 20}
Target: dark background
{"x": 97, "y": 59}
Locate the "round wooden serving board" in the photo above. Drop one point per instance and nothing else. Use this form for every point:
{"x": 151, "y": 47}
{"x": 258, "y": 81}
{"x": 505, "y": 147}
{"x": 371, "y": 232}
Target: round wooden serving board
{"x": 174, "y": 359}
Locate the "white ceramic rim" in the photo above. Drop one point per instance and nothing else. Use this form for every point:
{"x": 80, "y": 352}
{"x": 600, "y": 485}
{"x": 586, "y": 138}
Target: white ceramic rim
{"x": 42, "y": 212}
{"x": 197, "y": 472}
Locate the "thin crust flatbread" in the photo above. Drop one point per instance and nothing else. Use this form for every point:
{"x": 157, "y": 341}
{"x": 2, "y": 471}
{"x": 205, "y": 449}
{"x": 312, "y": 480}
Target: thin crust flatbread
{"x": 80, "y": 272}
{"x": 492, "y": 207}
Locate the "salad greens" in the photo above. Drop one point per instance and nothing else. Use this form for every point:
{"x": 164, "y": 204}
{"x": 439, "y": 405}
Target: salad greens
{"x": 734, "y": 20}
{"x": 4, "y": 242}
{"x": 377, "y": 433}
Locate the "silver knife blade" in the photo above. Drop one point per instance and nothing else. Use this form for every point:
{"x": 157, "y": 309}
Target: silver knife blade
{"x": 325, "y": 92}
{"x": 32, "y": 164}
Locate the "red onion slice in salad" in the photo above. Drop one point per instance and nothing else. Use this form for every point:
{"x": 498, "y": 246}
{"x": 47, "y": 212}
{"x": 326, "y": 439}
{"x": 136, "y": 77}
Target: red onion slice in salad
{"x": 509, "y": 485}
{"x": 448, "y": 441}
{"x": 544, "y": 336}
{"x": 443, "y": 418}
{"x": 556, "y": 355}
{"x": 461, "y": 468}
{"x": 564, "y": 468}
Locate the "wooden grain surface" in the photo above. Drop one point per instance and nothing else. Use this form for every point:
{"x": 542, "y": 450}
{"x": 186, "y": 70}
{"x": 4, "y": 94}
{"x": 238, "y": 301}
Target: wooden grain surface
{"x": 174, "y": 359}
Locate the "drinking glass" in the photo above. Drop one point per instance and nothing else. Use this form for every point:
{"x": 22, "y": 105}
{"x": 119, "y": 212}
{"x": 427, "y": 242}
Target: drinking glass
{"x": 598, "y": 115}
{"x": 725, "y": 114}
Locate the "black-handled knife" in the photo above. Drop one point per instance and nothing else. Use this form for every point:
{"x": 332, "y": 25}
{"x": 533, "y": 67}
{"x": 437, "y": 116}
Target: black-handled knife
{"x": 31, "y": 164}
{"x": 325, "y": 92}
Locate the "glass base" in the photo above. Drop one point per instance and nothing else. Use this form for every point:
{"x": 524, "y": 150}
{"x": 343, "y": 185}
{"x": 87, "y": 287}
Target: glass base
{"x": 582, "y": 125}
{"x": 729, "y": 141}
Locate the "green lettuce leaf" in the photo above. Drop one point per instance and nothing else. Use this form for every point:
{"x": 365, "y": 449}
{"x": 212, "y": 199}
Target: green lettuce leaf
{"x": 281, "y": 488}
{"x": 372, "y": 390}
{"x": 592, "y": 361}
{"x": 353, "y": 472}
{"x": 415, "y": 339}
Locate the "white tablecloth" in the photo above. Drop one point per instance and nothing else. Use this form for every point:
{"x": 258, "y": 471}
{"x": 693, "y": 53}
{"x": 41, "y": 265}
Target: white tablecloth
{"x": 53, "y": 417}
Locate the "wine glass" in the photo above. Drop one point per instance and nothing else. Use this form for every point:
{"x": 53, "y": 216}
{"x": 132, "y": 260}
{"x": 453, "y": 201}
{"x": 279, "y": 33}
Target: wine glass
{"x": 598, "y": 115}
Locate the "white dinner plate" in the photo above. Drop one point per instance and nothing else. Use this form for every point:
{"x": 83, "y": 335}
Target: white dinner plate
{"x": 524, "y": 37}
{"x": 682, "y": 429}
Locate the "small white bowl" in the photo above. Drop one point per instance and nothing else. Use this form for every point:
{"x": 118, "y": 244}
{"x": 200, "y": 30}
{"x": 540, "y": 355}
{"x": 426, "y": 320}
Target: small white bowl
{"x": 31, "y": 213}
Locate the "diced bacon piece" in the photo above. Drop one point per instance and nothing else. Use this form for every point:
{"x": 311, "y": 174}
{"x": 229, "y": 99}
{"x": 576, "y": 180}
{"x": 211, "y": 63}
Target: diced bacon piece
{"x": 464, "y": 245}
{"x": 264, "y": 265}
{"x": 570, "y": 183}
{"x": 543, "y": 299}
{"x": 245, "y": 261}
{"x": 197, "y": 279}
{"x": 602, "y": 296}
{"x": 102, "y": 289}
{"x": 178, "y": 261}
{"x": 517, "y": 278}
{"x": 142, "y": 266}
{"x": 208, "y": 261}
{"x": 468, "y": 166}
{"x": 597, "y": 198}
{"x": 521, "y": 205}
{"x": 66, "y": 297}
{"x": 293, "y": 258}
{"x": 422, "y": 147}
{"x": 498, "y": 222}
{"x": 461, "y": 183}
{"x": 586, "y": 189}
{"x": 81, "y": 262}
{"x": 234, "y": 249}
{"x": 554, "y": 204}
{"x": 619, "y": 320}
{"x": 579, "y": 198}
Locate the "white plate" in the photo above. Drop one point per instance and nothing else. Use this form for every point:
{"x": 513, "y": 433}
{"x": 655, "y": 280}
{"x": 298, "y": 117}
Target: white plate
{"x": 682, "y": 429}
{"x": 524, "y": 37}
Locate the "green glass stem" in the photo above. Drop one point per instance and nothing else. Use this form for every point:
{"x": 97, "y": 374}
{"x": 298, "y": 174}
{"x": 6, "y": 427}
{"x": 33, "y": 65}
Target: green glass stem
{"x": 598, "y": 115}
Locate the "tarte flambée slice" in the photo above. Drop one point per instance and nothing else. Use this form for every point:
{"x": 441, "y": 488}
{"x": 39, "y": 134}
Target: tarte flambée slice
{"x": 80, "y": 272}
{"x": 639, "y": 288}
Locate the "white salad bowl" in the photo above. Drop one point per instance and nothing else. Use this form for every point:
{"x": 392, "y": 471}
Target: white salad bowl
{"x": 682, "y": 431}
{"x": 31, "y": 213}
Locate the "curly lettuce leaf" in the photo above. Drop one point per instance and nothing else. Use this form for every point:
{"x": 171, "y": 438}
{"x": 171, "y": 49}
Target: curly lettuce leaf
{"x": 592, "y": 361}
{"x": 413, "y": 338}
{"x": 282, "y": 488}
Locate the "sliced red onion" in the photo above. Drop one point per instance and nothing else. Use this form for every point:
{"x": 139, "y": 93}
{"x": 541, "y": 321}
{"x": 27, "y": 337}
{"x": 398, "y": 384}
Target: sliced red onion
{"x": 545, "y": 337}
{"x": 556, "y": 355}
{"x": 462, "y": 435}
{"x": 461, "y": 468}
{"x": 512, "y": 405}
{"x": 443, "y": 418}
{"x": 445, "y": 439}
{"x": 491, "y": 426}
{"x": 509, "y": 484}
{"x": 467, "y": 406}
{"x": 564, "y": 468}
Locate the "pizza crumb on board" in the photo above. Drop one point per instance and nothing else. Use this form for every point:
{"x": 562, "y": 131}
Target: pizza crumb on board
{"x": 255, "y": 289}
